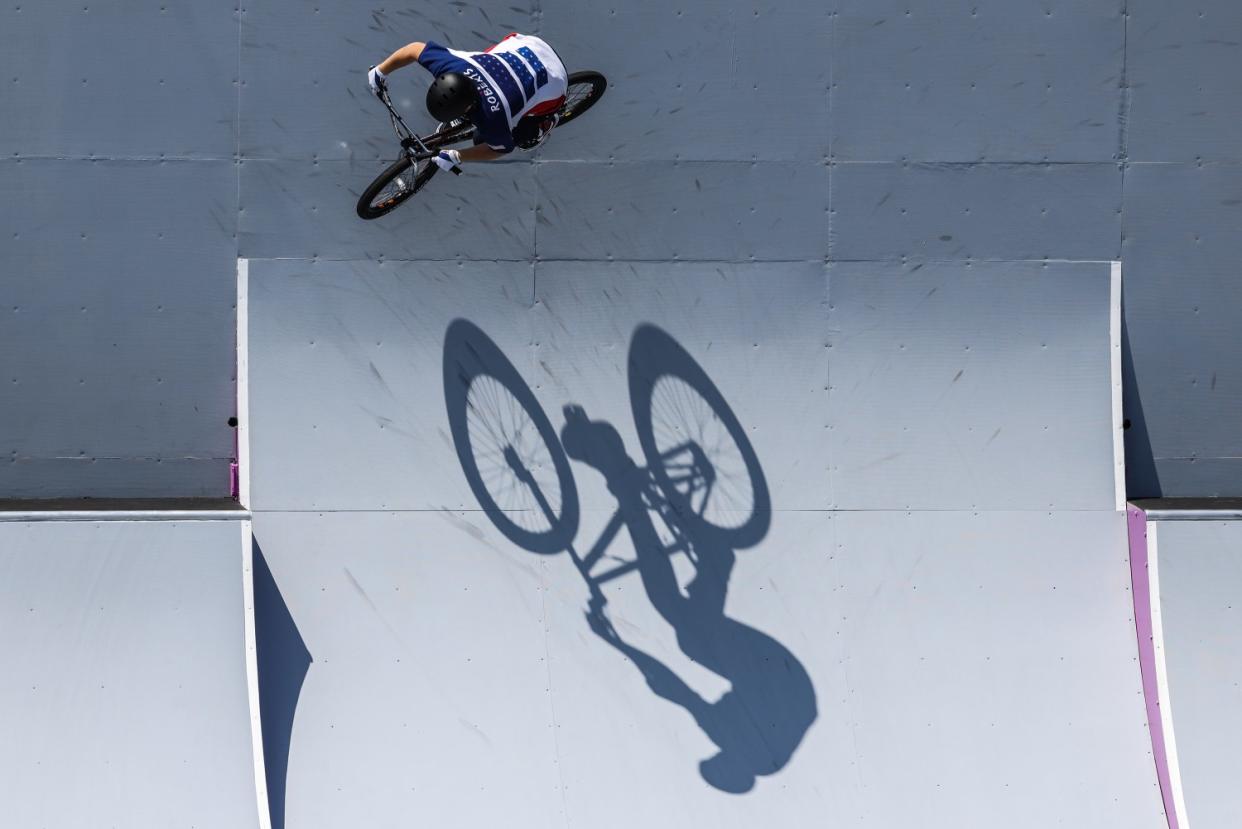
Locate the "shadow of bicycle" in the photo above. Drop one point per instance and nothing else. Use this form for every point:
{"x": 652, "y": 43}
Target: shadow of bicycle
{"x": 701, "y": 481}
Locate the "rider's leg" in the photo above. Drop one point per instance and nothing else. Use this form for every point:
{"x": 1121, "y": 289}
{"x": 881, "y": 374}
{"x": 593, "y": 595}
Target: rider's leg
{"x": 532, "y": 131}
{"x": 655, "y": 565}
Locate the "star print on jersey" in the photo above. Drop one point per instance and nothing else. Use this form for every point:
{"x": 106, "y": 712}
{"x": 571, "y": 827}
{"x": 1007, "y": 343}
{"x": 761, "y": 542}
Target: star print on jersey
{"x": 515, "y": 76}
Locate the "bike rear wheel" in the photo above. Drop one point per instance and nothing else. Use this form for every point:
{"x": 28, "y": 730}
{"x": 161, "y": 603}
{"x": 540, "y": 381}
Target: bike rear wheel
{"x": 392, "y": 187}
{"x": 584, "y": 89}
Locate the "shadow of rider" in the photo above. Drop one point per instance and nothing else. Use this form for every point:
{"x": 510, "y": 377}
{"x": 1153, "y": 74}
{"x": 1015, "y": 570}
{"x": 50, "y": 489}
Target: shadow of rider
{"x": 760, "y": 721}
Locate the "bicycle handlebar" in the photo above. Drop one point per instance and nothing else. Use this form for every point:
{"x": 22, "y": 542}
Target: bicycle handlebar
{"x": 409, "y": 140}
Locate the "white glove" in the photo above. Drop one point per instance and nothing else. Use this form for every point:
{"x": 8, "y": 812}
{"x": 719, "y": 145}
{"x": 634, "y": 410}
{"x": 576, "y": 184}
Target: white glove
{"x": 448, "y": 160}
{"x": 378, "y": 82}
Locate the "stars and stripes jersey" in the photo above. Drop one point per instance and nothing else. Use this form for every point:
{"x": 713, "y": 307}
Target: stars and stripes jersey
{"x": 520, "y": 75}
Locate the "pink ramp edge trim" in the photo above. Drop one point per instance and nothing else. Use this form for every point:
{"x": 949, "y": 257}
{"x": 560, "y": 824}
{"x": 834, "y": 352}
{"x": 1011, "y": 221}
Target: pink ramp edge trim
{"x": 1136, "y": 521}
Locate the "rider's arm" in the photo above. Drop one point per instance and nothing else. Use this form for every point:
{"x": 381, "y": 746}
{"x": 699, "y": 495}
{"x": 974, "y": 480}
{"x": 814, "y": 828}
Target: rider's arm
{"x": 480, "y": 152}
{"x": 402, "y": 57}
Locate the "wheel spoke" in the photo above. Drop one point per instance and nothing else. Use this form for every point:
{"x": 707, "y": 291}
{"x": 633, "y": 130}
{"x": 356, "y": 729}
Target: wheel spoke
{"x": 499, "y": 427}
{"x": 682, "y": 419}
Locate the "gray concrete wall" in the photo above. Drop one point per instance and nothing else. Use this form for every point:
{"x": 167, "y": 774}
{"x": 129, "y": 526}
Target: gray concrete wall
{"x": 147, "y": 145}
{"x": 1182, "y": 206}
{"x": 884, "y": 131}
{"x": 117, "y": 262}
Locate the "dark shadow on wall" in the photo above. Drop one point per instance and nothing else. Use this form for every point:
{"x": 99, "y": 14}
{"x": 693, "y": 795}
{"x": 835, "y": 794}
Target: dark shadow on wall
{"x": 1142, "y": 478}
{"x": 701, "y": 494}
{"x": 283, "y": 662}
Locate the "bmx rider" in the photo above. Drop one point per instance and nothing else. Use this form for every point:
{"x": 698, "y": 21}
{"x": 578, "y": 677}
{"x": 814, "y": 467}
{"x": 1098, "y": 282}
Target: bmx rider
{"x": 510, "y": 93}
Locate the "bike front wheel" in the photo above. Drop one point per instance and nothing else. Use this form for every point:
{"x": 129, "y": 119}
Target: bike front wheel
{"x": 391, "y": 188}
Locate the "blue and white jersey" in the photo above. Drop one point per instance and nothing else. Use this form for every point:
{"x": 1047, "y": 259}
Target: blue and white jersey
{"x": 515, "y": 76}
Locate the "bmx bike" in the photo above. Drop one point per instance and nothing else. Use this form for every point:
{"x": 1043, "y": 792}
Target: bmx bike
{"x": 702, "y": 477}
{"x": 414, "y": 168}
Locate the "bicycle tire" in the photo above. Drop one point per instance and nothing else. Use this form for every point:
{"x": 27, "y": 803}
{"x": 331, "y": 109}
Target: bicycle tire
{"x": 367, "y": 207}
{"x": 493, "y": 414}
{"x": 573, "y": 108}
{"x": 664, "y": 381}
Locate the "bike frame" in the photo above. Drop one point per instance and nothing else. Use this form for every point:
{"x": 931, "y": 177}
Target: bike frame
{"x": 409, "y": 140}
{"x": 700, "y": 471}
{"x": 404, "y": 134}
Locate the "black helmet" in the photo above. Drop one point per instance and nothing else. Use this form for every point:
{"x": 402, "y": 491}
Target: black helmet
{"x": 451, "y": 95}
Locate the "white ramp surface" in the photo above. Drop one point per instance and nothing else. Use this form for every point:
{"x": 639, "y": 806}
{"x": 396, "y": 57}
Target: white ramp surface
{"x": 1200, "y": 582}
{"x": 617, "y": 544}
{"x": 124, "y": 685}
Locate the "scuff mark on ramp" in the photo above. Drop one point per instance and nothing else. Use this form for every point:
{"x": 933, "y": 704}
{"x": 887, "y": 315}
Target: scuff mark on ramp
{"x": 463, "y": 525}
{"x": 474, "y": 729}
{"x": 378, "y": 615}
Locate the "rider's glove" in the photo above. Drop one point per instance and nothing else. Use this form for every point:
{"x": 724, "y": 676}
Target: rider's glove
{"x": 378, "y": 82}
{"x": 448, "y": 160}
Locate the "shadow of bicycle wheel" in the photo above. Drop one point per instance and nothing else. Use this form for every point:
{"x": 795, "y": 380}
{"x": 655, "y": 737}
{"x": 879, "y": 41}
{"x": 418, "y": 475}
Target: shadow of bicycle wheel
{"x": 508, "y": 450}
{"x": 694, "y": 445}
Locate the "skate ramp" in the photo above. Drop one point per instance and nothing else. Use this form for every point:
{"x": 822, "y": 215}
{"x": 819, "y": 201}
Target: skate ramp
{"x": 1200, "y": 573}
{"x": 124, "y": 693}
{"x": 871, "y": 259}
{"x": 929, "y": 619}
